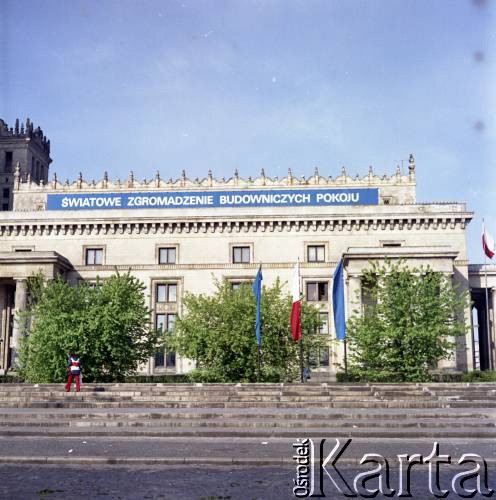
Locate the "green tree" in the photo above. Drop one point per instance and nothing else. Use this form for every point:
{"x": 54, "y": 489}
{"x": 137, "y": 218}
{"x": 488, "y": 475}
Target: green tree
{"x": 107, "y": 325}
{"x": 218, "y": 333}
{"x": 409, "y": 320}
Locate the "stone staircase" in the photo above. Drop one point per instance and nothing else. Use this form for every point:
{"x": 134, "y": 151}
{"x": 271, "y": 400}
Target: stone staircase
{"x": 414, "y": 411}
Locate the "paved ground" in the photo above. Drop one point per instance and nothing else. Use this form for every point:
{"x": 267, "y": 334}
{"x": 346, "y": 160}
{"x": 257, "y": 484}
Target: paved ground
{"x": 176, "y": 482}
{"x": 207, "y": 482}
{"x": 274, "y": 451}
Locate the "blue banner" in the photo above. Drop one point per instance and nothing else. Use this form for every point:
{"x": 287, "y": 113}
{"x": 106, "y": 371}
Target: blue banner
{"x": 257, "y": 291}
{"x": 338, "y": 307}
{"x": 216, "y": 199}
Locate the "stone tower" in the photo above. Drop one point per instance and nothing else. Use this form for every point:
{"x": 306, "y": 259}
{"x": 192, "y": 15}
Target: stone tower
{"x": 26, "y": 147}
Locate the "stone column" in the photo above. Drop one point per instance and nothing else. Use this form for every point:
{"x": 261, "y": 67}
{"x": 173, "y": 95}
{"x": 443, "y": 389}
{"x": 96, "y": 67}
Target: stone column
{"x": 19, "y": 305}
{"x": 354, "y": 299}
{"x": 353, "y": 302}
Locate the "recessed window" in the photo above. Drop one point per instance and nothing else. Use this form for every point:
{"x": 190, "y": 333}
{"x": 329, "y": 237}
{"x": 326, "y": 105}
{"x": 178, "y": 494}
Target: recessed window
{"x": 22, "y": 250}
{"x": 241, "y": 255}
{"x": 6, "y": 192}
{"x": 8, "y": 161}
{"x": 165, "y": 322}
{"x": 368, "y": 297}
{"x": 324, "y": 356}
{"x": 388, "y": 244}
{"x": 324, "y": 323}
{"x": 163, "y": 357}
{"x": 315, "y": 253}
{"x": 237, "y": 284}
{"x": 316, "y": 291}
{"x": 5, "y": 206}
{"x": 167, "y": 255}
{"x": 94, "y": 256}
{"x": 166, "y": 292}
{"x": 318, "y": 357}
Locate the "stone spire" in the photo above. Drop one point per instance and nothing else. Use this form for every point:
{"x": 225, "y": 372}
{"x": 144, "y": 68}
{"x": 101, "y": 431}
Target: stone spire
{"x": 411, "y": 167}
{"x": 17, "y": 175}
{"x": 130, "y": 179}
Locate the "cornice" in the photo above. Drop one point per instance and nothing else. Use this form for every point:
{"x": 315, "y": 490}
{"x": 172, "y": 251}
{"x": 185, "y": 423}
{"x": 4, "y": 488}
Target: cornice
{"x": 17, "y": 258}
{"x": 246, "y": 224}
{"x": 213, "y": 266}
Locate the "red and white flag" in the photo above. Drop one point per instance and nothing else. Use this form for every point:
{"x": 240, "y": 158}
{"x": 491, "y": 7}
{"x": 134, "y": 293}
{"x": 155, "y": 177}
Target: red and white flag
{"x": 296, "y": 307}
{"x": 487, "y": 243}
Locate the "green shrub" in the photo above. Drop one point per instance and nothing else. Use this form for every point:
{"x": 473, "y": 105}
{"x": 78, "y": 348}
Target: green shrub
{"x": 11, "y": 379}
{"x": 408, "y": 322}
{"x": 478, "y": 376}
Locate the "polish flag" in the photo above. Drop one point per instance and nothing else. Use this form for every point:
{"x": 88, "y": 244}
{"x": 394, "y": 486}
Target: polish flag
{"x": 487, "y": 243}
{"x": 296, "y": 307}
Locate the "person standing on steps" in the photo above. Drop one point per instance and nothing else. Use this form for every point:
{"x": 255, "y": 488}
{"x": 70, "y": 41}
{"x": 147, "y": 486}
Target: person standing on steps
{"x": 73, "y": 372}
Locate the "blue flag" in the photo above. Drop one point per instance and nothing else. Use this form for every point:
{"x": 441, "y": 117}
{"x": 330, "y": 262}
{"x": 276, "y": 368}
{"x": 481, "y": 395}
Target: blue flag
{"x": 338, "y": 302}
{"x": 257, "y": 291}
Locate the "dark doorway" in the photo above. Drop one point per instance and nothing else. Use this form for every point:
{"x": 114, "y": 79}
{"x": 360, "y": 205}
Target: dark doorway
{"x": 480, "y": 336}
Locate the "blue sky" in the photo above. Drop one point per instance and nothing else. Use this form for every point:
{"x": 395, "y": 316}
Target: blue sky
{"x": 274, "y": 84}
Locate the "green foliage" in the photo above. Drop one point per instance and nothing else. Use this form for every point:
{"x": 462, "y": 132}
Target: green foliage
{"x": 10, "y": 379}
{"x": 480, "y": 376}
{"x": 107, "y": 325}
{"x": 218, "y": 333}
{"x": 35, "y": 285}
{"x": 409, "y": 321}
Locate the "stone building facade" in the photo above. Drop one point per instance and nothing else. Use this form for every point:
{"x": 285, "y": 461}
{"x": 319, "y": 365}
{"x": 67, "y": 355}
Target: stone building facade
{"x": 178, "y": 235}
{"x": 27, "y": 147}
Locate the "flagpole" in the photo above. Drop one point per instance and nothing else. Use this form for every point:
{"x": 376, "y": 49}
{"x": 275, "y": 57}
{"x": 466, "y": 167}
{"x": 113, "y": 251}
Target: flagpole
{"x": 488, "y": 323}
{"x": 301, "y": 358}
{"x": 259, "y": 343}
{"x": 301, "y": 329}
{"x": 345, "y": 356}
{"x": 257, "y": 291}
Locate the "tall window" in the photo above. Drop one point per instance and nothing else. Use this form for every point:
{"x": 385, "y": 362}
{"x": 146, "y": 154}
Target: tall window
{"x": 165, "y": 322}
{"x": 241, "y": 255}
{"x": 163, "y": 357}
{"x": 167, "y": 255}
{"x": 8, "y": 161}
{"x": 324, "y": 323}
{"x": 94, "y": 256}
{"x": 318, "y": 357}
{"x": 315, "y": 253}
{"x": 167, "y": 292}
{"x": 367, "y": 294}
{"x": 316, "y": 291}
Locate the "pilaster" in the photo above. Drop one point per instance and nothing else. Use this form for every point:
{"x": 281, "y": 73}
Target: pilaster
{"x": 19, "y": 306}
